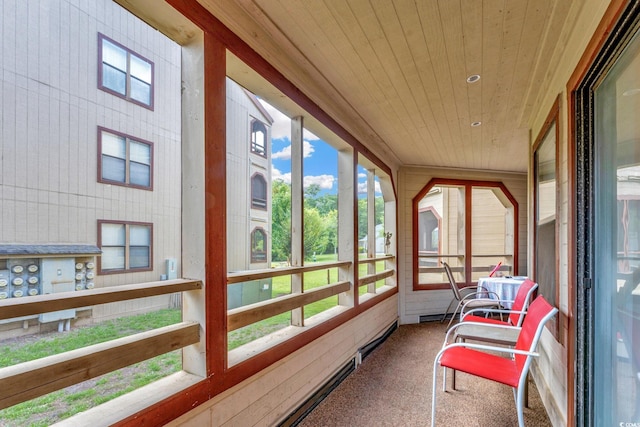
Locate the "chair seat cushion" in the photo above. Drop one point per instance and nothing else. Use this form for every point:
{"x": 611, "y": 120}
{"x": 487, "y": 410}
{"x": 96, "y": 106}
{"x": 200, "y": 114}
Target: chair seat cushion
{"x": 480, "y": 319}
{"x": 485, "y": 365}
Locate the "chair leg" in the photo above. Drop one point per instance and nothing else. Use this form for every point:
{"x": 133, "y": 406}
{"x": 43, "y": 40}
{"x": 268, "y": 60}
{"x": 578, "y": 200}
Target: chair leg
{"x": 453, "y": 316}
{"x": 453, "y": 379}
{"x": 444, "y": 316}
{"x": 520, "y": 405}
{"x": 433, "y": 394}
{"x": 444, "y": 379}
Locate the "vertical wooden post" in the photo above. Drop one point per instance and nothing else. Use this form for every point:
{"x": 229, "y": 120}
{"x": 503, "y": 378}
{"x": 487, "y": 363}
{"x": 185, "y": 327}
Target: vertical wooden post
{"x": 297, "y": 214}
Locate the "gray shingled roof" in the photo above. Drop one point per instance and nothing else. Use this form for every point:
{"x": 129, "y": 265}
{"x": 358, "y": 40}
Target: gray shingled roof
{"x": 48, "y": 249}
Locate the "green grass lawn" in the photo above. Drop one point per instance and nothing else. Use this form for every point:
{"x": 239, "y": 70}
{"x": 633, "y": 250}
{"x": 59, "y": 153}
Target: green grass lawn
{"x": 53, "y": 407}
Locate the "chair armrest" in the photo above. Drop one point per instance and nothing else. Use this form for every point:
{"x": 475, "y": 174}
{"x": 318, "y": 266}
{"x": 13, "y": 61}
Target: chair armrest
{"x": 472, "y": 295}
{"x": 454, "y": 328}
{"x": 491, "y": 310}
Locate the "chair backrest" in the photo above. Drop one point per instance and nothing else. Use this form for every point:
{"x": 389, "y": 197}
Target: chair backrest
{"x": 539, "y": 312}
{"x": 521, "y": 302}
{"x": 452, "y": 281}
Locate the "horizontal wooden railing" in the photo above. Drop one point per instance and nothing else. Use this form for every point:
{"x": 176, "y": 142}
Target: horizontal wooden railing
{"x": 246, "y": 276}
{"x": 252, "y": 313}
{"x": 29, "y": 380}
{"x": 25, "y": 381}
{"x": 16, "y": 307}
{"x": 376, "y": 259}
{"x": 371, "y": 278}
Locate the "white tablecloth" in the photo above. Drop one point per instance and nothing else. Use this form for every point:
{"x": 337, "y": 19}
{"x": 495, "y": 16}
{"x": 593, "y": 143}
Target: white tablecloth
{"x": 505, "y": 287}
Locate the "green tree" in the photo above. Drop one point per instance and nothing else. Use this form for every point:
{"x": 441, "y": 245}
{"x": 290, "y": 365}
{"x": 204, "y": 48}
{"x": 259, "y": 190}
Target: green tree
{"x": 363, "y": 217}
{"x": 281, "y": 221}
{"x": 315, "y": 233}
{"x": 331, "y": 227}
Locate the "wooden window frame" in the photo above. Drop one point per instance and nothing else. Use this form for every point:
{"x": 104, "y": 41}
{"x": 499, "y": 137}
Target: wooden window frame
{"x": 553, "y": 118}
{"x": 127, "y": 268}
{"x": 468, "y": 185}
{"x": 127, "y": 95}
{"x": 127, "y": 182}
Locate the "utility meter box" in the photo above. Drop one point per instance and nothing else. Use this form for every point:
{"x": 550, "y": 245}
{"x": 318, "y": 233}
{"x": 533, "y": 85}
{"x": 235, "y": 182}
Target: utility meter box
{"x": 58, "y": 275}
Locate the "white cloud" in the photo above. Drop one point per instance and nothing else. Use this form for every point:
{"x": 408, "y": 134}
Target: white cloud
{"x": 285, "y": 153}
{"x": 281, "y": 127}
{"x": 362, "y": 187}
{"x": 284, "y": 177}
{"x": 325, "y": 182}
{"x": 362, "y": 175}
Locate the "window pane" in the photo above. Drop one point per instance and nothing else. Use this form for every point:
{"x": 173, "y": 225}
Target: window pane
{"x": 258, "y": 192}
{"x": 113, "y": 235}
{"x": 114, "y": 79}
{"x": 140, "y": 91}
{"x": 617, "y": 261}
{"x": 140, "y": 69}
{"x": 112, "y": 258}
{"x": 545, "y": 196}
{"x": 140, "y": 174}
{"x": 139, "y": 257}
{"x": 113, "y": 169}
{"x": 320, "y": 164}
{"x": 258, "y": 137}
{"x": 441, "y": 232}
{"x": 114, "y": 55}
{"x": 492, "y": 232}
{"x": 140, "y": 235}
{"x": 114, "y": 145}
{"x": 140, "y": 152}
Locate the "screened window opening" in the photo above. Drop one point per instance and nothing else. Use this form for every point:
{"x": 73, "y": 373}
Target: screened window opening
{"x": 472, "y": 226}
{"x": 125, "y": 73}
{"x": 258, "y": 138}
{"x": 124, "y": 160}
{"x": 258, "y": 192}
{"x": 258, "y": 245}
{"x": 125, "y": 246}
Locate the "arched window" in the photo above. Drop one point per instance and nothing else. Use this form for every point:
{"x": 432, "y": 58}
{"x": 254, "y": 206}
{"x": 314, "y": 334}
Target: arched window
{"x": 258, "y": 192}
{"x": 258, "y": 245}
{"x": 258, "y": 138}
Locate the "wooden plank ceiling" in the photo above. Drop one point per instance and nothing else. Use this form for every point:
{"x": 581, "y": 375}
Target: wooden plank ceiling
{"x": 394, "y": 73}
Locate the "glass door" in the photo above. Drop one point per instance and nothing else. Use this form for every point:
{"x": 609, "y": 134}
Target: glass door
{"x": 616, "y": 241}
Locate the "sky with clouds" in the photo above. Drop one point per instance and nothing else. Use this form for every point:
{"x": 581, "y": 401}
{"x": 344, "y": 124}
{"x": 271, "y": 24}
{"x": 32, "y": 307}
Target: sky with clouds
{"x": 320, "y": 159}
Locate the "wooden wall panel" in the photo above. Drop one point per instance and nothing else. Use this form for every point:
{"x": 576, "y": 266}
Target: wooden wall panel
{"x": 268, "y": 397}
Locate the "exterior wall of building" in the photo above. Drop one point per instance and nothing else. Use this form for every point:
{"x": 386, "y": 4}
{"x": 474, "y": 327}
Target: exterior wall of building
{"x": 51, "y": 110}
{"x": 242, "y": 164}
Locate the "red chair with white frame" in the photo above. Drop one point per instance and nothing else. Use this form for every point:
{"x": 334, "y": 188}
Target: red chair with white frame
{"x": 516, "y": 312}
{"x": 474, "y": 358}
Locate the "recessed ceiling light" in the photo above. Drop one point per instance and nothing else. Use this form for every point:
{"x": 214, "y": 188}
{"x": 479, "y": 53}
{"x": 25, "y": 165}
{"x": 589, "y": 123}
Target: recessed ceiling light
{"x": 475, "y": 124}
{"x": 473, "y": 78}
